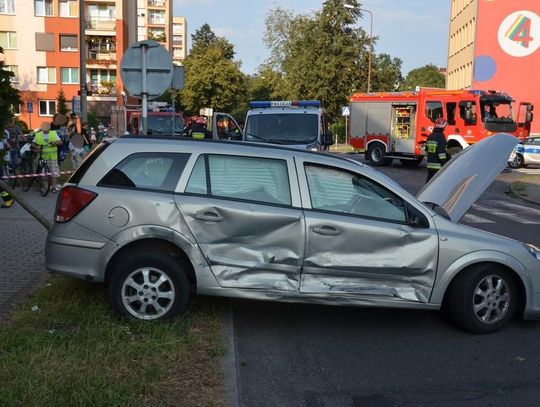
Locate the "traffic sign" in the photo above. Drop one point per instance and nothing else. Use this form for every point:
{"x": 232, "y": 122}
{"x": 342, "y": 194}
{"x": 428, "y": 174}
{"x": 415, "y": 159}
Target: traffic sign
{"x": 345, "y": 111}
{"x": 30, "y": 107}
{"x": 146, "y": 68}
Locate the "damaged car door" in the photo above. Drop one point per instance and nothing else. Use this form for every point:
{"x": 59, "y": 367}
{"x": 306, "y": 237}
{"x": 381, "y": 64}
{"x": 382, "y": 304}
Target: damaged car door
{"x": 246, "y": 220}
{"x": 363, "y": 239}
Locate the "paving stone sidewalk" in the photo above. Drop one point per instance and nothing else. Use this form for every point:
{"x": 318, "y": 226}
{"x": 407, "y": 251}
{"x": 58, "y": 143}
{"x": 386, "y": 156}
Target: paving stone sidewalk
{"x": 22, "y": 244}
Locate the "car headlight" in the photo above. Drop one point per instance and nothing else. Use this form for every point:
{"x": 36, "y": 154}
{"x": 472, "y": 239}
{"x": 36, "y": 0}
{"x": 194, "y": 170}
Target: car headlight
{"x": 532, "y": 249}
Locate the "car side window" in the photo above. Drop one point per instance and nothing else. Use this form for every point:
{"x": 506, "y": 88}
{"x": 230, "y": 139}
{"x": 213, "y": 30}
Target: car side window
{"x": 336, "y": 190}
{"x": 247, "y": 178}
{"x": 159, "y": 171}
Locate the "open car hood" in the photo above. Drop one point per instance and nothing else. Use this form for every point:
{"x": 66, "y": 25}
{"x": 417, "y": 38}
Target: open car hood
{"x": 458, "y": 185}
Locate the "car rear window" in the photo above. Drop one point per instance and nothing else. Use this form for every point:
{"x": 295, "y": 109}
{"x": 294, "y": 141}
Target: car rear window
{"x": 156, "y": 171}
{"x": 87, "y": 163}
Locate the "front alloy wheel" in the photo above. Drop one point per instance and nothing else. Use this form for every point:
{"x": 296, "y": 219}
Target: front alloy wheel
{"x": 483, "y": 299}
{"x": 491, "y": 299}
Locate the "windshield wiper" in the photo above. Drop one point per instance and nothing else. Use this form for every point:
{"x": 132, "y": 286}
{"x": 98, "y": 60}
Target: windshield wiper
{"x": 258, "y": 137}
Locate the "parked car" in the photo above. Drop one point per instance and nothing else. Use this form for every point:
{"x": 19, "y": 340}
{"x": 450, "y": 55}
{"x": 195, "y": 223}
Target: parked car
{"x": 525, "y": 153}
{"x": 160, "y": 220}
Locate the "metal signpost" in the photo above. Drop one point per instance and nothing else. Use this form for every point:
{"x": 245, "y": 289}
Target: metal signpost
{"x": 345, "y": 112}
{"x": 177, "y": 84}
{"x": 147, "y": 71}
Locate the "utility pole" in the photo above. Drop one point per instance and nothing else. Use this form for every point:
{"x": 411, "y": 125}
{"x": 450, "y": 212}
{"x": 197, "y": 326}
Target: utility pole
{"x": 351, "y": 7}
{"x": 82, "y": 61}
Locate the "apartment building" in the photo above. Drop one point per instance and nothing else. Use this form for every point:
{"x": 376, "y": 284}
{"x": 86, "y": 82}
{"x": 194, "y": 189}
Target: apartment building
{"x": 41, "y": 44}
{"x": 495, "y": 45}
{"x": 179, "y": 40}
{"x": 154, "y": 21}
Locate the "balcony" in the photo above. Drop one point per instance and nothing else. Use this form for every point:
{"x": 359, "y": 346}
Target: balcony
{"x": 100, "y": 23}
{"x": 157, "y": 36}
{"x": 157, "y": 3}
{"x": 155, "y": 20}
{"x": 106, "y": 88}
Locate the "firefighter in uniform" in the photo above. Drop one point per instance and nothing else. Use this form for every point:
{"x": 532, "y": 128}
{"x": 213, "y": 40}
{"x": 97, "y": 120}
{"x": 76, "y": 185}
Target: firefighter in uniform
{"x": 199, "y": 130}
{"x": 436, "y": 148}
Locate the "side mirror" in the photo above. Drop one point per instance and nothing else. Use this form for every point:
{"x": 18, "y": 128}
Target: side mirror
{"x": 327, "y": 139}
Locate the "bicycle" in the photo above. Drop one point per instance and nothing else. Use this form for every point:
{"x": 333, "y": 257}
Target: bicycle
{"x": 42, "y": 169}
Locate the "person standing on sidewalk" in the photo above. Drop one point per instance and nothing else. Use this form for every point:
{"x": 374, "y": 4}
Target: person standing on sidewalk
{"x": 436, "y": 148}
{"x": 48, "y": 141}
{"x": 6, "y": 200}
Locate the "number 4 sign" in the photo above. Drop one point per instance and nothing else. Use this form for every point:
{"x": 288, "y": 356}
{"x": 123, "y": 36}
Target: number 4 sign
{"x": 519, "y": 33}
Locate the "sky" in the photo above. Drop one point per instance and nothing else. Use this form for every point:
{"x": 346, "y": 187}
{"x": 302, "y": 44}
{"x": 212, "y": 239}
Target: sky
{"x": 414, "y": 30}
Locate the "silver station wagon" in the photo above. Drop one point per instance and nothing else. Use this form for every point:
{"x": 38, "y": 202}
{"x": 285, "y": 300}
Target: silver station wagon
{"x": 160, "y": 220}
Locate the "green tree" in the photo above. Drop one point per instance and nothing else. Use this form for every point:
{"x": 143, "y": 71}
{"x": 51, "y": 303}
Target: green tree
{"x": 61, "y": 102}
{"x": 212, "y": 79}
{"x": 386, "y": 73}
{"x": 426, "y": 76}
{"x": 320, "y": 56}
{"x": 9, "y": 96}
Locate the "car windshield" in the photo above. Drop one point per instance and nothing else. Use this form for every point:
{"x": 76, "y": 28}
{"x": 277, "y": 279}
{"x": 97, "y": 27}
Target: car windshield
{"x": 283, "y": 128}
{"x": 162, "y": 125}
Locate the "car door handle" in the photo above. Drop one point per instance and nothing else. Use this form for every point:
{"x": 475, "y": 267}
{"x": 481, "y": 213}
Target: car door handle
{"x": 209, "y": 217}
{"x": 326, "y": 231}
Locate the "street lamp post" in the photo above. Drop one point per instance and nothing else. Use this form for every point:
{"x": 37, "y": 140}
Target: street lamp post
{"x": 370, "y": 48}
{"x": 349, "y": 6}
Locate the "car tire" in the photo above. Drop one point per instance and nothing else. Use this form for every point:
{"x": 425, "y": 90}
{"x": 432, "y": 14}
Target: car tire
{"x": 375, "y": 155}
{"x": 517, "y": 162}
{"x": 149, "y": 286}
{"x": 452, "y": 151}
{"x": 483, "y": 299}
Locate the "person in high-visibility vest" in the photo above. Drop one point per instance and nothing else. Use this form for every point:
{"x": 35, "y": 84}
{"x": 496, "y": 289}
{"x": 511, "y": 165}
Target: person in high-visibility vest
{"x": 199, "y": 130}
{"x": 436, "y": 148}
{"x": 48, "y": 141}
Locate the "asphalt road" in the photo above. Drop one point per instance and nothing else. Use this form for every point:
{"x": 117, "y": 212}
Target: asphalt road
{"x": 305, "y": 355}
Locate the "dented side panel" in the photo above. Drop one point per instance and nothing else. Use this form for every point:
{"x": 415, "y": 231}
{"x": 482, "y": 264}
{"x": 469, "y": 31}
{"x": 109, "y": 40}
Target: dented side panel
{"x": 249, "y": 245}
{"x": 369, "y": 257}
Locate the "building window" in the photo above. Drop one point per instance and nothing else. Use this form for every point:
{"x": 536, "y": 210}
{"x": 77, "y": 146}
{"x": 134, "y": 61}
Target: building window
{"x": 43, "y": 8}
{"x": 7, "y": 6}
{"x": 8, "y": 39}
{"x": 16, "y": 109}
{"x": 69, "y": 43}
{"x": 156, "y": 17}
{"x": 47, "y": 107}
{"x": 69, "y": 75}
{"x": 67, "y": 8}
{"x": 46, "y": 74}
{"x": 44, "y": 42}
{"x": 157, "y": 34}
{"x": 15, "y": 70}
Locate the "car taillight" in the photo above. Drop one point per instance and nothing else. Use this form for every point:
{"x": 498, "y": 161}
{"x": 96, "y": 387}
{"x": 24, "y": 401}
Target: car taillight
{"x": 72, "y": 200}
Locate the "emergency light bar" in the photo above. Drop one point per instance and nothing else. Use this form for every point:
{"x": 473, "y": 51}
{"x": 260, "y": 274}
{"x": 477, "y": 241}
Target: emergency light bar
{"x": 284, "y": 103}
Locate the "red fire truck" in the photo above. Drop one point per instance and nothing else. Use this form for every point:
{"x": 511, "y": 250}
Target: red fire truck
{"x": 390, "y": 125}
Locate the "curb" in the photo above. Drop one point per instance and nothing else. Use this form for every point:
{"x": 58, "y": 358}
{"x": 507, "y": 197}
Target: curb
{"x": 229, "y": 360}
{"x": 519, "y": 196}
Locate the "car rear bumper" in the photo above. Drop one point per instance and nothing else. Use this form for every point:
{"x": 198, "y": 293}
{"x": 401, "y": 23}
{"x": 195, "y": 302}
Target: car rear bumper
{"x": 84, "y": 259}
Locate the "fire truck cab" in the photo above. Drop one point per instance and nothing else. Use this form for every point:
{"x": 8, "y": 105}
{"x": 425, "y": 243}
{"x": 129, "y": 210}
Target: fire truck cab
{"x": 160, "y": 121}
{"x": 391, "y": 125}
{"x": 301, "y": 124}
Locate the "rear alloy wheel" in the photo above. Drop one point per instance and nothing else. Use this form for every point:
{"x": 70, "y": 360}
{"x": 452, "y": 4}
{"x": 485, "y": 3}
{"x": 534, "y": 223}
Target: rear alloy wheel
{"x": 483, "y": 299}
{"x": 149, "y": 286}
{"x": 375, "y": 155}
{"x": 517, "y": 162}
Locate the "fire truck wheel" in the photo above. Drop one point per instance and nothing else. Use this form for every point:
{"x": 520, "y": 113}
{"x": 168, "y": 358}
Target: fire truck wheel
{"x": 411, "y": 163}
{"x": 452, "y": 151}
{"x": 375, "y": 155}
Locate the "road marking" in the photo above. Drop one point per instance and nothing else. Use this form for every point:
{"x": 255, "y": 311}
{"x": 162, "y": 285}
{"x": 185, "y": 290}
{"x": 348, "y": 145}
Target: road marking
{"x": 470, "y": 218}
{"x": 530, "y": 171}
{"x": 512, "y": 214}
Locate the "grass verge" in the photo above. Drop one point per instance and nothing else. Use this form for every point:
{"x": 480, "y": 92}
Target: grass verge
{"x": 64, "y": 347}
